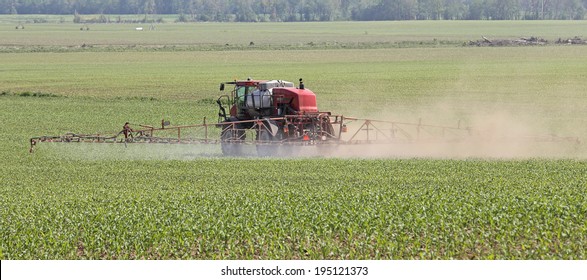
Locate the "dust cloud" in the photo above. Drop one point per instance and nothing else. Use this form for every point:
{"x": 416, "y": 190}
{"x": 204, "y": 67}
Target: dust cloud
{"x": 446, "y": 131}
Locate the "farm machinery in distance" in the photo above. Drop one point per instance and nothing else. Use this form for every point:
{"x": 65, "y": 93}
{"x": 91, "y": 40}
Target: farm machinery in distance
{"x": 277, "y": 118}
{"x": 275, "y": 113}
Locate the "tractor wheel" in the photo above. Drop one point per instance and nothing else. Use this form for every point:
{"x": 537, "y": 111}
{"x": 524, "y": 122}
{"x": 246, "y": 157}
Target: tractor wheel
{"x": 272, "y": 146}
{"x": 266, "y": 148}
{"x": 230, "y": 142}
{"x": 326, "y": 127}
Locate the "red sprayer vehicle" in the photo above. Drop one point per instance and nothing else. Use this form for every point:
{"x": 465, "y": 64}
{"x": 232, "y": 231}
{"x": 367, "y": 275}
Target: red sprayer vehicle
{"x": 277, "y": 118}
{"x": 276, "y": 114}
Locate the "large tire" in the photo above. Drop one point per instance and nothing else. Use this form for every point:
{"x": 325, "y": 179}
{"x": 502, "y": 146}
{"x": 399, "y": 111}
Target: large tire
{"x": 273, "y": 146}
{"x": 326, "y": 127}
{"x": 267, "y": 148}
{"x": 231, "y": 142}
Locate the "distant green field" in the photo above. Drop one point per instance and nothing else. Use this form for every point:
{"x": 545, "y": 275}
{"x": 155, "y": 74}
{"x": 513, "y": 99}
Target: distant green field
{"x": 280, "y": 35}
{"x": 442, "y": 85}
{"x": 93, "y": 201}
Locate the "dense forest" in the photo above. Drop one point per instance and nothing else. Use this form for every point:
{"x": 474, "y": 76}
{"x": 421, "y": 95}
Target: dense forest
{"x": 310, "y": 10}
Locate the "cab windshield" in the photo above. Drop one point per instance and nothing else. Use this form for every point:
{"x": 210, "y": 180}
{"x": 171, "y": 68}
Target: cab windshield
{"x": 240, "y": 94}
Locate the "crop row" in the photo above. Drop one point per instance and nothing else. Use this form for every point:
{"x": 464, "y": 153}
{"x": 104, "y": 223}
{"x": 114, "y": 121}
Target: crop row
{"x": 318, "y": 209}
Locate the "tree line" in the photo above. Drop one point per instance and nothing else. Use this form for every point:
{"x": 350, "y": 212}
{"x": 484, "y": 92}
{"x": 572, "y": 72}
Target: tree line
{"x": 310, "y": 10}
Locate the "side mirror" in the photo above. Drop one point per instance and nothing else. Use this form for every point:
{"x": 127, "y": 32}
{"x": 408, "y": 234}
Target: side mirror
{"x": 222, "y": 87}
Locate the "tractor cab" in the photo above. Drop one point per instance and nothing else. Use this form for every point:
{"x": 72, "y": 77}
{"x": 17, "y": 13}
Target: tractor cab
{"x": 250, "y": 99}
